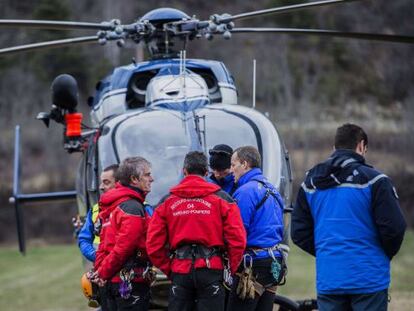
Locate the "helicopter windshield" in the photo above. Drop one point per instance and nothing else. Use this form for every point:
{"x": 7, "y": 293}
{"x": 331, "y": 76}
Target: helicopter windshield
{"x": 164, "y": 137}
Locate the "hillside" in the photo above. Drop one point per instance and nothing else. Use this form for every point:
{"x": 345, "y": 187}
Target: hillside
{"x": 307, "y": 85}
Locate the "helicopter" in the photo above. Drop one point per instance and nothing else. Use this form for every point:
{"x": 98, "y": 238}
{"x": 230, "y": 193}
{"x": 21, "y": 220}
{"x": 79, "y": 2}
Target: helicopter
{"x": 164, "y": 107}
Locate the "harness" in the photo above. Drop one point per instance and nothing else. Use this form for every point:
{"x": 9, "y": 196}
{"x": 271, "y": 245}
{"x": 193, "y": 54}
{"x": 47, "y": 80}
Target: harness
{"x": 196, "y": 251}
{"x": 269, "y": 192}
{"x": 248, "y": 285}
{"x": 128, "y": 273}
{"x": 277, "y": 247}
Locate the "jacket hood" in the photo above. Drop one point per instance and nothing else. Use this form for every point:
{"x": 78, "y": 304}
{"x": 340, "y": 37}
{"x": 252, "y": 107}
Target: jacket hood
{"x": 193, "y": 186}
{"x": 120, "y": 192}
{"x": 338, "y": 169}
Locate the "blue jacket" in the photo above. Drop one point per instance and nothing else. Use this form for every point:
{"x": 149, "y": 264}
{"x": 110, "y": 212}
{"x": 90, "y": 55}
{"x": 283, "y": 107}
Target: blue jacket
{"x": 264, "y": 226}
{"x": 86, "y": 237}
{"x": 347, "y": 215}
{"x": 226, "y": 183}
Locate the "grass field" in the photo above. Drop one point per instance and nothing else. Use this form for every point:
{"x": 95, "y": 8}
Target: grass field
{"x": 48, "y": 278}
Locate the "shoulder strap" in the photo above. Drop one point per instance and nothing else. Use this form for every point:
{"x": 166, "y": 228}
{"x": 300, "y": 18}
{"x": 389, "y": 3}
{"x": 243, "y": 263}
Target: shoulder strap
{"x": 268, "y": 193}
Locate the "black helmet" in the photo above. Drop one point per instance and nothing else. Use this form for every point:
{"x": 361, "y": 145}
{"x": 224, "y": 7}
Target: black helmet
{"x": 220, "y": 157}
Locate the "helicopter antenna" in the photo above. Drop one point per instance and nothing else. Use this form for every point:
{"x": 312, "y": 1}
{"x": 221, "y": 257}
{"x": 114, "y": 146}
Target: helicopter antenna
{"x": 183, "y": 72}
{"x": 254, "y": 83}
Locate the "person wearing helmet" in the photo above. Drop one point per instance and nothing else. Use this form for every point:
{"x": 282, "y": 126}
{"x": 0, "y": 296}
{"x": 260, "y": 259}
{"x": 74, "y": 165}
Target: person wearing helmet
{"x": 220, "y": 157}
{"x": 196, "y": 223}
{"x": 88, "y": 240}
{"x": 121, "y": 260}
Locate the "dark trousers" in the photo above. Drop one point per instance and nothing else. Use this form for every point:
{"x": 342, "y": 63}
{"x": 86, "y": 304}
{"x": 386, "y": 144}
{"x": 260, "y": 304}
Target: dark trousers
{"x": 102, "y": 297}
{"x": 201, "y": 290}
{"x": 263, "y": 275}
{"x": 377, "y": 301}
{"x": 139, "y": 299}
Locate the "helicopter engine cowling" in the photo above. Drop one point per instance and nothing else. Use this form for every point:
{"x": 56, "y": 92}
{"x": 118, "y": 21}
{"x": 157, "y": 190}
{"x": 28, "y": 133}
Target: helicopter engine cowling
{"x": 127, "y": 87}
{"x": 186, "y": 91}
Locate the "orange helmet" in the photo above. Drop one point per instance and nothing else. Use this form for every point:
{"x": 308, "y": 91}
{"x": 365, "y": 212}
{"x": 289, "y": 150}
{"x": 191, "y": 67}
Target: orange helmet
{"x": 88, "y": 291}
{"x": 86, "y": 286}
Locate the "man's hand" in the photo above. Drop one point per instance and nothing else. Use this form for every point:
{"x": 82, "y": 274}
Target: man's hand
{"x": 93, "y": 276}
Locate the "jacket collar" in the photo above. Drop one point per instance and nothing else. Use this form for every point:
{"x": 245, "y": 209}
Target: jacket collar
{"x": 335, "y": 170}
{"x": 254, "y": 173}
{"x": 119, "y": 192}
{"x": 143, "y": 194}
{"x": 223, "y": 181}
{"x": 343, "y": 157}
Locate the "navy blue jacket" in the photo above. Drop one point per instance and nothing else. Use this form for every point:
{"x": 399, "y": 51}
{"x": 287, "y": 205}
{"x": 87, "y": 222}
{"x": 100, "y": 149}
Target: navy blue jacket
{"x": 347, "y": 215}
{"x": 226, "y": 183}
{"x": 264, "y": 226}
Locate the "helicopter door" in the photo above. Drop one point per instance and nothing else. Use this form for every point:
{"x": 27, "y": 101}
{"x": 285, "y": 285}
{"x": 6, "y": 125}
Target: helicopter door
{"x": 87, "y": 180}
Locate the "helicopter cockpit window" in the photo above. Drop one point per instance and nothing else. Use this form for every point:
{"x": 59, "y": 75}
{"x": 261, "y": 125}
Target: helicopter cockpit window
{"x": 225, "y": 128}
{"x": 162, "y": 138}
{"x": 112, "y": 103}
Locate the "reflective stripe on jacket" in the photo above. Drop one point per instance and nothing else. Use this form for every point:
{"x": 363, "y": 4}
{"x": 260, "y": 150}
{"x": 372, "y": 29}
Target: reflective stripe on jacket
{"x": 347, "y": 214}
{"x": 95, "y": 212}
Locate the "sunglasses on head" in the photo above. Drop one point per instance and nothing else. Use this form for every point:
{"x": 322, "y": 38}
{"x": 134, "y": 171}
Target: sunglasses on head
{"x": 212, "y": 152}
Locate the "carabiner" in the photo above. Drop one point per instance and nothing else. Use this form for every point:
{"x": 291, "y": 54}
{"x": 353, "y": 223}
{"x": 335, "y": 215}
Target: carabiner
{"x": 245, "y": 261}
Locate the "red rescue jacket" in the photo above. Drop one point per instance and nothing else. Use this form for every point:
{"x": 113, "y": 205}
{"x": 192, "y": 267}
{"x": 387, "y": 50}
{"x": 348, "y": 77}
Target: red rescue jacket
{"x": 195, "y": 211}
{"x": 123, "y": 233}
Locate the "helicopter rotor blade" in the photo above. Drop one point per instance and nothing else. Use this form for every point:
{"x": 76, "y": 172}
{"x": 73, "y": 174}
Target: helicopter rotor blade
{"x": 48, "y": 44}
{"x": 329, "y": 33}
{"x": 226, "y": 18}
{"x": 57, "y": 25}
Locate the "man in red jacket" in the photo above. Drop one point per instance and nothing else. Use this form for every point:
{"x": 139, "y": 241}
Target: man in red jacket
{"x": 121, "y": 259}
{"x": 189, "y": 232}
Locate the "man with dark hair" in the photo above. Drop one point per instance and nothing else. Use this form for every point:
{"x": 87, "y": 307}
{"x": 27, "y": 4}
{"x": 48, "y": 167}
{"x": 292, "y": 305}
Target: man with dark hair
{"x": 261, "y": 208}
{"x": 195, "y": 224}
{"x": 348, "y": 136}
{"x": 88, "y": 241}
{"x": 121, "y": 258}
{"x": 220, "y": 158}
{"x": 347, "y": 215}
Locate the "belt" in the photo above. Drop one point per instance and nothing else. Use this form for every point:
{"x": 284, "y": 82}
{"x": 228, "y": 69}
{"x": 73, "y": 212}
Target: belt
{"x": 195, "y": 251}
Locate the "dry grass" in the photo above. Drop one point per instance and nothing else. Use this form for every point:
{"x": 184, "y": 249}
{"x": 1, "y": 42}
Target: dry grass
{"x": 47, "y": 278}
